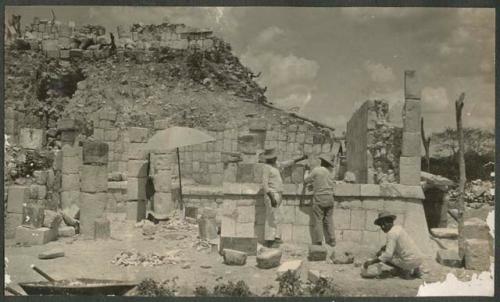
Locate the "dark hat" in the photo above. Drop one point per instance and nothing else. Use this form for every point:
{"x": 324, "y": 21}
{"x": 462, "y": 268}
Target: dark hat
{"x": 383, "y": 216}
{"x": 269, "y": 154}
{"x": 326, "y": 160}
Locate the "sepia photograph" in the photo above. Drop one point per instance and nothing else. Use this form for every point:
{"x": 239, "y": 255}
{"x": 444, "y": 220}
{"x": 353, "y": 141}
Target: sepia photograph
{"x": 250, "y": 151}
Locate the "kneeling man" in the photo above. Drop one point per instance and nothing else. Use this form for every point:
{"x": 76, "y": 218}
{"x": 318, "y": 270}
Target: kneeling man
{"x": 400, "y": 250}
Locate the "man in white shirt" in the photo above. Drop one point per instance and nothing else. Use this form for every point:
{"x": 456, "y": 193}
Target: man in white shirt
{"x": 400, "y": 250}
{"x": 272, "y": 184}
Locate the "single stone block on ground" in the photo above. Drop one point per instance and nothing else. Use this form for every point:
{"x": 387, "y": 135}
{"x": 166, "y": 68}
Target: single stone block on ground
{"x": 317, "y": 253}
{"x": 343, "y": 258}
{"x": 313, "y": 276}
{"x": 29, "y": 236}
{"x": 269, "y": 258}
{"x": 233, "y": 257}
{"x": 51, "y": 254}
{"x": 248, "y": 245}
{"x": 66, "y": 231}
{"x": 449, "y": 258}
{"x": 292, "y": 266}
{"x": 477, "y": 254}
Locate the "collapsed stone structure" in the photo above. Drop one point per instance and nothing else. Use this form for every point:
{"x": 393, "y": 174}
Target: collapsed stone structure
{"x": 224, "y": 174}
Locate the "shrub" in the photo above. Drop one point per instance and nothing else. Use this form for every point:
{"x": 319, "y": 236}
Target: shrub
{"x": 290, "y": 284}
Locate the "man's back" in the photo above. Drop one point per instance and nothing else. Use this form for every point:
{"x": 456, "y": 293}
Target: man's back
{"x": 403, "y": 245}
{"x": 322, "y": 181}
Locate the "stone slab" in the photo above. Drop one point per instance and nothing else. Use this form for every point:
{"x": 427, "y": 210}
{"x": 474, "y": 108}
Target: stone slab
{"x": 411, "y": 144}
{"x": 95, "y": 153}
{"x": 12, "y": 221}
{"x": 18, "y": 196}
{"x": 138, "y": 134}
{"x": 247, "y": 245}
{"x": 477, "y": 254}
{"x": 94, "y": 179}
{"x": 66, "y": 231}
{"x": 344, "y": 189}
{"x": 270, "y": 258}
{"x": 449, "y": 258}
{"x": 92, "y": 207}
{"x": 137, "y": 168}
{"x": 409, "y": 170}
{"x": 475, "y": 228}
{"x": 33, "y": 215}
{"x": 317, "y": 253}
{"x": 234, "y": 257}
{"x": 447, "y": 233}
{"x": 30, "y": 138}
{"x": 293, "y": 266}
{"x": 29, "y": 236}
{"x": 51, "y": 254}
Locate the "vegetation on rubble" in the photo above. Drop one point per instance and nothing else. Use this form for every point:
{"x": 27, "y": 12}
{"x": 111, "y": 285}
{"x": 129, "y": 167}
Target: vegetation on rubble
{"x": 230, "y": 289}
{"x": 151, "y": 288}
{"x": 323, "y": 288}
{"x": 290, "y": 285}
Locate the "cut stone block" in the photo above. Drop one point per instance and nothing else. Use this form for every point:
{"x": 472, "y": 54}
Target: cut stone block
{"x": 71, "y": 164}
{"x": 17, "y": 197}
{"x": 342, "y": 258}
{"x": 102, "y": 228}
{"x": 293, "y": 266}
{"x": 412, "y": 112}
{"x": 12, "y": 221}
{"x": 244, "y": 173}
{"x": 248, "y": 143}
{"x": 95, "y": 153}
{"x": 313, "y": 276}
{"x": 31, "y": 138}
{"x": 207, "y": 227}
{"x": 163, "y": 205}
{"x": 91, "y": 208}
{"x": 40, "y": 177}
{"x": 65, "y": 124}
{"x": 70, "y": 182}
{"x": 136, "y": 188}
{"x": 269, "y": 258}
{"x": 52, "y": 219}
{"x": 38, "y": 192}
{"x": 412, "y": 85}
{"x": 163, "y": 181}
{"x": 69, "y": 136}
{"x": 94, "y": 179}
{"x": 449, "y": 258}
{"x": 477, "y": 254}
{"x": 51, "y": 254}
{"x": 29, "y": 236}
{"x": 409, "y": 170}
{"x": 246, "y": 214}
{"x": 69, "y": 199}
{"x": 136, "y": 210}
{"x": 475, "y": 228}
{"x": 248, "y": 245}
{"x": 233, "y": 257}
{"x": 33, "y": 215}
{"x": 137, "y": 151}
{"x": 138, "y": 135}
{"x": 66, "y": 231}
{"x": 411, "y": 144}
{"x": 137, "y": 168}
{"x": 448, "y": 233}
{"x": 317, "y": 253}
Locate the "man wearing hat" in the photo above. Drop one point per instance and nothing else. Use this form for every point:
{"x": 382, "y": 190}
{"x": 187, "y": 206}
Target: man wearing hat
{"x": 400, "y": 250}
{"x": 322, "y": 180}
{"x": 272, "y": 184}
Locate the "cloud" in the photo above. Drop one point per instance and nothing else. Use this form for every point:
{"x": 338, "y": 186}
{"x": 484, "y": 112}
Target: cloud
{"x": 290, "y": 79}
{"x": 379, "y": 73}
{"x": 435, "y": 100}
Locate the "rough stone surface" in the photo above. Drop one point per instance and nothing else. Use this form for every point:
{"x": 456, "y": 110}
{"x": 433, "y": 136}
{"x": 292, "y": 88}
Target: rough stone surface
{"x": 475, "y": 228}
{"x": 269, "y": 258}
{"x": 136, "y": 188}
{"x": 449, "y": 258}
{"x": 31, "y": 138}
{"x": 313, "y": 276}
{"x": 66, "y": 231}
{"x": 373, "y": 271}
{"x": 409, "y": 170}
{"x": 92, "y": 207}
{"x": 102, "y": 228}
{"x": 448, "y": 233}
{"x": 136, "y": 210}
{"x": 292, "y": 265}
{"x": 247, "y": 245}
{"x": 95, "y": 153}
{"x": 317, "y": 253}
{"x": 51, "y": 254}
{"x": 233, "y": 257}
{"x": 137, "y": 168}
{"x": 29, "y": 236}
{"x": 94, "y": 179}
{"x": 52, "y": 219}
{"x": 343, "y": 258}
{"x": 477, "y": 254}
{"x": 33, "y": 215}
{"x": 12, "y": 221}
{"x": 17, "y": 197}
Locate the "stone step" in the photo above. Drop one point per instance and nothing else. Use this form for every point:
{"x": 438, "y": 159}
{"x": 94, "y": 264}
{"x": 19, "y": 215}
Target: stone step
{"x": 447, "y": 233}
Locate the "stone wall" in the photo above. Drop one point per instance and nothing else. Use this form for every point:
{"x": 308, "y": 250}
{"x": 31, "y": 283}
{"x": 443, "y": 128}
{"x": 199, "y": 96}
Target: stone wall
{"x": 241, "y": 207}
{"x": 373, "y": 144}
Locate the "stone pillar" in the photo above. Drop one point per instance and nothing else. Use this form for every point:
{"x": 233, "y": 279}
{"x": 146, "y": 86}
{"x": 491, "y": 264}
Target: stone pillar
{"x": 409, "y": 162}
{"x": 68, "y": 163}
{"x": 137, "y": 174}
{"x": 94, "y": 186}
{"x": 163, "y": 202}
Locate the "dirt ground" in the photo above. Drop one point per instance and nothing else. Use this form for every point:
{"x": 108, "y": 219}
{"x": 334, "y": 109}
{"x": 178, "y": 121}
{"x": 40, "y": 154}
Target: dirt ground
{"x": 195, "y": 264}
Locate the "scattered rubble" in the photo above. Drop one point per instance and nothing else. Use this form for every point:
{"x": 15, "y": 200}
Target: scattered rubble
{"x": 132, "y": 258}
{"x": 343, "y": 258}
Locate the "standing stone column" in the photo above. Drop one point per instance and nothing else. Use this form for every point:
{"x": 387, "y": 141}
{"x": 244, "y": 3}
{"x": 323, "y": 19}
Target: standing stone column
{"x": 137, "y": 173}
{"x": 94, "y": 186}
{"x": 409, "y": 162}
{"x": 71, "y": 161}
{"x": 163, "y": 202}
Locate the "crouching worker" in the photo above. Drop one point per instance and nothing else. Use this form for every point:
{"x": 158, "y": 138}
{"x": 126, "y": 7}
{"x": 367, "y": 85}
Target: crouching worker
{"x": 400, "y": 250}
{"x": 272, "y": 185}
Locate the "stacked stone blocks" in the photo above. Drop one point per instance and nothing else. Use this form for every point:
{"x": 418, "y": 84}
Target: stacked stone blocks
{"x": 137, "y": 173}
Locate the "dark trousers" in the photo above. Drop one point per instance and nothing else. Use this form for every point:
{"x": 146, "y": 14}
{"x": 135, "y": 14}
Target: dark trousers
{"x": 322, "y": 216}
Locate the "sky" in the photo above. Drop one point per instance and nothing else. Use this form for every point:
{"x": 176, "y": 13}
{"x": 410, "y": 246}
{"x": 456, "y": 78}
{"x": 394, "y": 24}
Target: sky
{"x": 325, "y": 62}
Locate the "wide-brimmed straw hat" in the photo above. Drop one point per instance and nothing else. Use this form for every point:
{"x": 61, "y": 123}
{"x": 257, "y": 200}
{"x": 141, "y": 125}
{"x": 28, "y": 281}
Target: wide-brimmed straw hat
{"x": 269, "y": 153}
{"x": 326, "y": 160}
{"x": 384, "y": 216}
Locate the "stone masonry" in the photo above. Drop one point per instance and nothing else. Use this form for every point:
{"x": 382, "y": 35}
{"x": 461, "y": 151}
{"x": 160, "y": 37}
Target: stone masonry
{"x": 137, "y": 173}
{"x": 372, "y": 142}
{"x": 71, "y": 163}
{"x": 409, "y": 164}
